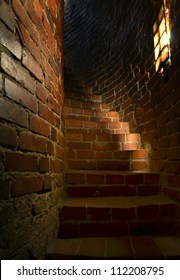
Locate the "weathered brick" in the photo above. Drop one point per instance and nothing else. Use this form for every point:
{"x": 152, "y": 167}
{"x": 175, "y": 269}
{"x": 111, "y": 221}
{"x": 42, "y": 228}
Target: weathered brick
{"x": 7, "y": 16}
{"x": 53, "y": 104}
{"x": 1, "y": 82}
{"x": 89, "y": 136}
{"x": 104, "y": 137}
{"x": 5, "y": 188}
{"x": 95, "y": 179}
{"x": 152, "y": 178}
{"x": 30, "y": 44}
{"x": 113, "y": 165}
{"x": 20, "y": 95}
{"x": 55, "y": 165}
{"x": 168, "y": 210}
{"x": 30, "y": 63}
{"x": 41, "y": 93}
{"x": 134, "y": 179}
{"x": 123, "y": 213}
{"x": 25, "y": 19}
{"x": 79, "y": 145}
{"x": 104, "y": 155}
{"x": 60, "y": 139}
{"x": 173, "y": 154}
{"x": 47, "y": 185}
{"x": 53, "y": 7}
{"x": 138, "y": 165}
{"x": 21, "y": 162}
{"x": 74, "y": 136}
{"x": 130, "y": 146}
{"x": 51, "y": 148}
{"x": 12, "y": 68}
{"x": 138, "y": 154}
{"x": 53, "y": 134}
{"x": 82, "y": 164}
{"x": 95, "y": 213}
{"x": 106, "y": 146}
{"x": 74, "y": 123}
{"x": 27, "y": 184}
{"x": 85, "y": 154}
{"x": 38, "y": 8}
{"x": 38, "y": 125}
{"x": 59, "y": 152}
{"x": 75, "y": 178}
{"x": 46, "y": 114}
{"x": 115, "y": 179}
{"x": 8, "y": 41}
{"x": 73, "y": 213}
{"x": 147, "y": 211}
{"x": 13, "y": 113}
{"x": 44, "y": 165}
{"x": 8, "y": 136}
{"x": 32, "y": 142}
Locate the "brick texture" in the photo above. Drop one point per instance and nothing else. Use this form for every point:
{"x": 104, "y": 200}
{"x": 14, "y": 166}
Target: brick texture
{"x": 31, "y": 128}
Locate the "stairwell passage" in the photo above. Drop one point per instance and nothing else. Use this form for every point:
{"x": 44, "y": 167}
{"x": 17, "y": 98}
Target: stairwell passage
{"x": 114, "y": 206}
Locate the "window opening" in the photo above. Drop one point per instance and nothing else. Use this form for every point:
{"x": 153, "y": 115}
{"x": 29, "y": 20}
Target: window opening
{"x": 161, "y": 32}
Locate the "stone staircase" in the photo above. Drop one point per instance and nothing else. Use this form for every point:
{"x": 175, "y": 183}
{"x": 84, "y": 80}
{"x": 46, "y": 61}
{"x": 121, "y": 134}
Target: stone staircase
{"x": 114, "y": 206}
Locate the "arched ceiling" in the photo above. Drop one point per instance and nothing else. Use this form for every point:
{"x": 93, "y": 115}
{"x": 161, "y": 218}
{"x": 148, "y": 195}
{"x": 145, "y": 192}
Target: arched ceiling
{"x": 92, "y": 30}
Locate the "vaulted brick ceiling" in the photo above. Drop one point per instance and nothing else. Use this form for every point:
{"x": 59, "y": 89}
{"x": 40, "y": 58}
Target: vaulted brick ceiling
{"x": 93, "y": 29}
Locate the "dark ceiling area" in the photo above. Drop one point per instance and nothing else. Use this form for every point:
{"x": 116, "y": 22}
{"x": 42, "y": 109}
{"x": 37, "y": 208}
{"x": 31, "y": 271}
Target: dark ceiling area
{"x": 93, "y": 29}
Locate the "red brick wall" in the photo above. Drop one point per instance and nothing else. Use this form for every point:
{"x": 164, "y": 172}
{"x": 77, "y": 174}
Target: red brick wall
{"x": 31, "y": 127}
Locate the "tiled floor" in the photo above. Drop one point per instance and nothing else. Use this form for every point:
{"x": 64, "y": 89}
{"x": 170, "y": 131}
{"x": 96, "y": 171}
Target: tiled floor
{"x": 124, "y": 248}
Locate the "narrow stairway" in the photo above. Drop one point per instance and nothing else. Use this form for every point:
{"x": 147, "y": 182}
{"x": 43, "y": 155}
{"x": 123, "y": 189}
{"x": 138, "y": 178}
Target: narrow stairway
{"x": 114, "y": 206}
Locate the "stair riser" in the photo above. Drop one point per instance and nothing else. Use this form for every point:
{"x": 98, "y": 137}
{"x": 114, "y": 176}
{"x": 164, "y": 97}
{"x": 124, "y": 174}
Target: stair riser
{"x": 115, "y": 178}
{"x": 131, "y": 165}
{"x": 117, "y": 228}
{"x": 93, "y": 104}
{"x": 92, "y": 116}
{"x": 116, "y": 147}
{"x": 88, "y": 213}
{"x": 104, "y": 191}
{"x": 74, "y": 136}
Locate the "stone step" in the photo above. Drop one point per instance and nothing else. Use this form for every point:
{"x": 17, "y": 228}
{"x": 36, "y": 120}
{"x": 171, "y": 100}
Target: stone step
{"x": 105, "y": 146}
{"x": 92, "y": 115}
{"x": 91, "y": 130}
{"x": 93, "y": 103}
{"x": 84, "y": 156}
{"x": 117, "y": 216}
{"x": 103, "y": 138}
{"x": 120, "y": 248}
{"x": 103, "y": 164}
{"x": 116, "y": 127}
{"x": 103, "y": 183}
{"x": 98, "y": 190}
{"x": 79, "y": 177}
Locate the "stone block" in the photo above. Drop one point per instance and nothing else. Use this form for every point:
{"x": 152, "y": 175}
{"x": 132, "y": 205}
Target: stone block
{"x": 9, "y": 42}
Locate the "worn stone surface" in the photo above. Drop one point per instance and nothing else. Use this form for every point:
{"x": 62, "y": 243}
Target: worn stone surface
{"x": 8, "y": 41}
{"x": 29, "y": 62}
{"x": 6, "y": 15}
{"x": 20, "y": 95}
{"x": 13, "y": 113}
{"x": 15, "y": 70}
{"x": 27, "y": 217}
{"x": 1, "y": 82}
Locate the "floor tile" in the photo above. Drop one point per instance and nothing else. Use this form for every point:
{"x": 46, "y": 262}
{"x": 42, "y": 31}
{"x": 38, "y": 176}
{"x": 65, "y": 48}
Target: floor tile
{"x": 146, "y": 248}
{"x": 119, "y": 248}
{"x": 170, "y": 246}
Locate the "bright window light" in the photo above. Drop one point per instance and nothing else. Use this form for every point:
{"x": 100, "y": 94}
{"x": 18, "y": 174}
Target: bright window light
{"x": 161, "y": 31}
